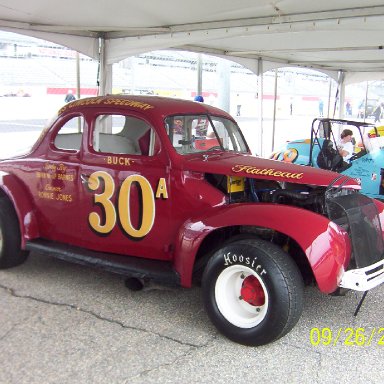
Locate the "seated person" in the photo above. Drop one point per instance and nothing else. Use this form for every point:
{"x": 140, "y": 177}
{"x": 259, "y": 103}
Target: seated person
{"x": 345, "y": 146}
{"x": 178, "y": 126}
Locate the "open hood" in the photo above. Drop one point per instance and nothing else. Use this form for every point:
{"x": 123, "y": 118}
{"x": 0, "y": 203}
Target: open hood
{"x": 241, "y": 165}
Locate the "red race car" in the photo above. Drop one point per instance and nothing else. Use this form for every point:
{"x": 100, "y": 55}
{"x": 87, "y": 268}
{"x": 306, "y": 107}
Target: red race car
{"x": 166, "y": 190}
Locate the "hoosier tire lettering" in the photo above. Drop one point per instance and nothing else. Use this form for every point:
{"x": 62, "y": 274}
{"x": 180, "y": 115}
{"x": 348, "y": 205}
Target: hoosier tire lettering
{"x": 252, "y": 262}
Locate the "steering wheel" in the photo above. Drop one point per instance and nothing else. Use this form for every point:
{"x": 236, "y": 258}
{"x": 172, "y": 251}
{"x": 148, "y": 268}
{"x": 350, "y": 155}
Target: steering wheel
{"x": 358, "y": 155}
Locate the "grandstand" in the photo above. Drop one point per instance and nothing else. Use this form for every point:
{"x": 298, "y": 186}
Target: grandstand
{"x": 31, "y": 61}
{"x": 31, "y": 66}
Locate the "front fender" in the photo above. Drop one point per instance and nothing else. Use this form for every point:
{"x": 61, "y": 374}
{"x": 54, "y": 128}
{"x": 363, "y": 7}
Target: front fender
{"x": 326, "y": 245}
{"x": 19, "y": 195}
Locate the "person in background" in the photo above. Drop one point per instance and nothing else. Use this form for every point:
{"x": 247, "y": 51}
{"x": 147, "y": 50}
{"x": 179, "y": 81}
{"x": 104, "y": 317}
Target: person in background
{"x": 348, "y": 108}
{"x": 377, "y": 113}
{"x": 345, "y": 147}
{"x": 321, "y": 108}
{"x": 238, "y": 106}
{"x": 69, "y": 96}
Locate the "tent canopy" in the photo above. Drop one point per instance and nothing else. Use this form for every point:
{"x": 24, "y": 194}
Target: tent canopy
{"x": 326, "y": 35}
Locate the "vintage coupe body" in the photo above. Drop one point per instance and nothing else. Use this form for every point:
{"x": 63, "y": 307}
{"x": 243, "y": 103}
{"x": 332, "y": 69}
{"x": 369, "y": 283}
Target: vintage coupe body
{"x": 167, "y": 190}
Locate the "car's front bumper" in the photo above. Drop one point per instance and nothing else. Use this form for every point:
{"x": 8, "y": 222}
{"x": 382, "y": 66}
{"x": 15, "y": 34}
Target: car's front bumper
{"x": 363, "y": 279}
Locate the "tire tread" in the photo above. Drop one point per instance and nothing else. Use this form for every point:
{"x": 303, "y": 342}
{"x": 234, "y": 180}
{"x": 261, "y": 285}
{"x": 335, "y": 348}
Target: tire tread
{"x": 11, "y": 254}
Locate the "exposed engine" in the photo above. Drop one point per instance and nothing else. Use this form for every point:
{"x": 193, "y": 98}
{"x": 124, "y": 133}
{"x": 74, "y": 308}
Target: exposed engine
{"x": 269, "y": 191}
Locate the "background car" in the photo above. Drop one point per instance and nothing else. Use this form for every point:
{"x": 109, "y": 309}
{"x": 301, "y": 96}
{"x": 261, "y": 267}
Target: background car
{"x": 366, "y": 109}
{"x": 366, "y": 165}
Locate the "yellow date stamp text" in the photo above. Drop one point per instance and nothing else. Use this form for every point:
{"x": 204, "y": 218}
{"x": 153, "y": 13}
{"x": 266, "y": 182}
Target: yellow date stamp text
{"x": 349, "y": 336}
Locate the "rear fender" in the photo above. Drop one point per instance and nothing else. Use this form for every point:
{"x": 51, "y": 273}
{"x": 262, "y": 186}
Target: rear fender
{"x": 326, "y": 245}
{"x": 19, "y": 195}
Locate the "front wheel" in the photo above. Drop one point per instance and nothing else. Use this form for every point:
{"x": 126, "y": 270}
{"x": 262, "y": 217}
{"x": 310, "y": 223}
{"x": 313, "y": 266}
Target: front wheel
{"x": 253, "y": 292}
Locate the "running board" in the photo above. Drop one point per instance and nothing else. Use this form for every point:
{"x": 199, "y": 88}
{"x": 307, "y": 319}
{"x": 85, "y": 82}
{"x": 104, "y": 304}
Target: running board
{"x": 128, "y": 266}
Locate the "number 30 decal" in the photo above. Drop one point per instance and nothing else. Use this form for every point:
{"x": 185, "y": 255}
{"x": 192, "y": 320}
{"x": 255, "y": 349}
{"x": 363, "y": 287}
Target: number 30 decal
{"x": 105, "y": 180}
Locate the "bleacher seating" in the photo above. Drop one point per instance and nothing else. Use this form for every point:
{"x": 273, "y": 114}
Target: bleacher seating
{"x": 45, "y": 71}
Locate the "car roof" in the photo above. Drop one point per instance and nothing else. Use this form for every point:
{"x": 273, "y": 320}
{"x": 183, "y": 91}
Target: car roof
{"x": 149, "y": 104}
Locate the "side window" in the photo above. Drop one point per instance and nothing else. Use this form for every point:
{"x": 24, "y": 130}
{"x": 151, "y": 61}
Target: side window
{"x": 70, "y": 134}
{"x": 191, "y": 133}
{"x": 223, "y": 134}
{"x": 119, "y": 134}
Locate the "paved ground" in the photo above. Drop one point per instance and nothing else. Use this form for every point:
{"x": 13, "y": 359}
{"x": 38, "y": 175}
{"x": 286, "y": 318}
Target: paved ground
{"x": 64, "y": 323}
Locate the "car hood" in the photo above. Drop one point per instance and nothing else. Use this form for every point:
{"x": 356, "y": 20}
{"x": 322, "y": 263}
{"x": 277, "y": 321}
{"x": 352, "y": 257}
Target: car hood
{"x": 243, "y": 165}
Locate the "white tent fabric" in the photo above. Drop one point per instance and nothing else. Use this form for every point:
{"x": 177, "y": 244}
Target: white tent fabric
{"x": 343, "y": 38}
{"x": 326, "y": 35}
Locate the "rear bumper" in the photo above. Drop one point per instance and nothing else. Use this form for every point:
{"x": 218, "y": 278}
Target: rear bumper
{"x": 363, "y": 279}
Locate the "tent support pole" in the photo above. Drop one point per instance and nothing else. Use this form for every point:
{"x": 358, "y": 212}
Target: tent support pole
{"x": 260, "y": 93}
{"x": 199, "y": 74}
{"x": 78, "y": 76}
{"x": 366, "y": 99}
{"x": 342, "y": 96}
{"x": 224, "y": 72}
{"x": 78, "y": 93}
{"x": 105, "y": 71}
{"x": 329, "y": 97}
{"x": 274, "y": 111}
{"x": 340, "y": 81}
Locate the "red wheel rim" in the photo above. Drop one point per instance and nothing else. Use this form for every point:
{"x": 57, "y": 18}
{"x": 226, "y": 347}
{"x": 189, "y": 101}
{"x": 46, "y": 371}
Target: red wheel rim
{"x": 252, "y": 292}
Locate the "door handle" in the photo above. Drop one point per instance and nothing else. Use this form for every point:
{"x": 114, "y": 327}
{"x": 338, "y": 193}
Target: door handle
{"x": 84, "y": 178}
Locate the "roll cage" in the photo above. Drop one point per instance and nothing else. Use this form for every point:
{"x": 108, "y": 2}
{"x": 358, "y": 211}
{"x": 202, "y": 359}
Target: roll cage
{"x": 324, "y": 128}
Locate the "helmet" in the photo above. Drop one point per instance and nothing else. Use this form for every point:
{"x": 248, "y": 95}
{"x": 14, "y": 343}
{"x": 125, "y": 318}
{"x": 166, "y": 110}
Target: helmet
{"x": 199, "y": 98}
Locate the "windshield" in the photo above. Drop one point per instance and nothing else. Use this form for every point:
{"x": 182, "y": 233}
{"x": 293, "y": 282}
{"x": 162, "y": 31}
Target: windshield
{"x": 200, "y": 133}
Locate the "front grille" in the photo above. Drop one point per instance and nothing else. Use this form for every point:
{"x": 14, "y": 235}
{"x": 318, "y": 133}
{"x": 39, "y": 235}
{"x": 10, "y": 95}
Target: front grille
{"x": 358, "y": 215}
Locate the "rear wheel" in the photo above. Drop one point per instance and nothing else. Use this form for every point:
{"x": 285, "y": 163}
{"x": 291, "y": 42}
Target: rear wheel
{"x": 10, "y": 239}
{"x": 253, "y": 292}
